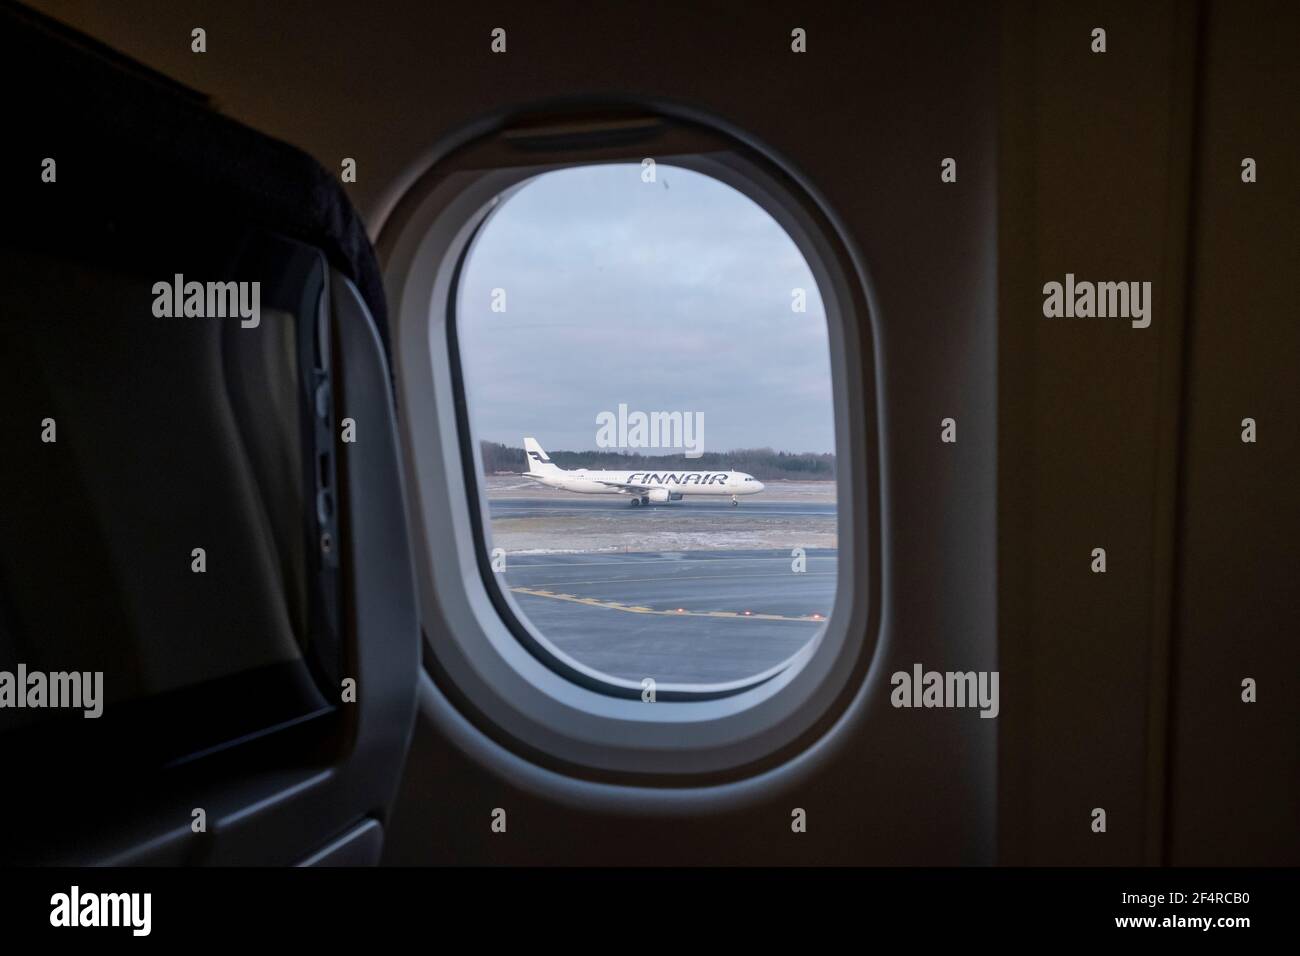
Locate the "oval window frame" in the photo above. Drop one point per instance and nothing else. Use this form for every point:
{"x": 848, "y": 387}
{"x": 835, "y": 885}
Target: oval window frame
{"x": 553, "y": 715}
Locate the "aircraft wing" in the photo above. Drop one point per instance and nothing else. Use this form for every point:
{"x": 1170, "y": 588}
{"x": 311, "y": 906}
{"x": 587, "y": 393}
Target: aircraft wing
{"x": 633, "y": 489}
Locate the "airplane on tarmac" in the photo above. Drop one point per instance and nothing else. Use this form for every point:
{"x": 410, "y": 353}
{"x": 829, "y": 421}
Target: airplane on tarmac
{"x": 643, "y": 486}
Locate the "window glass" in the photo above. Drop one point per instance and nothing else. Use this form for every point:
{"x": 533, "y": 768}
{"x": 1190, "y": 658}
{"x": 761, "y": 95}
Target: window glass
{"x": 645, "y": 359}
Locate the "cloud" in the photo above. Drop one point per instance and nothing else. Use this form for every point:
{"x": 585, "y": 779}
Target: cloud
{"x": 620, "y": 291}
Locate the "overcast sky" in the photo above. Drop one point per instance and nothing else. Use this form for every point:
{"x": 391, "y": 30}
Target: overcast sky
{"x": 666, "y": 296}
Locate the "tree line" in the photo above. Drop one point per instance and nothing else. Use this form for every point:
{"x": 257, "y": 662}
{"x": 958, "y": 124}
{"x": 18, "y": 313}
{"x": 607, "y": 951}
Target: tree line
{"x": 765, "y": 464}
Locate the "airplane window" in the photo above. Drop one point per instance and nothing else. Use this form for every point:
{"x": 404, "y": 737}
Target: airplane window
{"x": 646, "y": 368}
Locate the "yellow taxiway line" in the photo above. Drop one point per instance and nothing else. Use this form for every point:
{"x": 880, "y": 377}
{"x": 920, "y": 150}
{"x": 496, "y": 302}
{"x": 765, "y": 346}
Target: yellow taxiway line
{"x": 675, "y": 612}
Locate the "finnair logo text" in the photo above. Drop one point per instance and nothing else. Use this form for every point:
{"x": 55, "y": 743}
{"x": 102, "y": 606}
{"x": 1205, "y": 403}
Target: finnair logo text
{"x": 626, "y": 429}
{"x": 674, "y": 478}
{"x": 209, "y": 300}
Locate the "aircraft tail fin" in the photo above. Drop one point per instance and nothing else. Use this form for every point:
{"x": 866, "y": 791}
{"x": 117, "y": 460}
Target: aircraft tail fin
{"x": 538, "y": 461}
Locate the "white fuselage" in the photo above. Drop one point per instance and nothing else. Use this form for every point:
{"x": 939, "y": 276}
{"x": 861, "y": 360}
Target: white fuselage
{"x": 640, "y": 486}
{"x": 654, "y": 483}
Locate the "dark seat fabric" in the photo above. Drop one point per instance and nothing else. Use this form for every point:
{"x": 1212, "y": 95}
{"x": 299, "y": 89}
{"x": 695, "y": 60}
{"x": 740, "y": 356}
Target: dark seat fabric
{"x": 173, "y": 433}
{"x": 135, "y": 149}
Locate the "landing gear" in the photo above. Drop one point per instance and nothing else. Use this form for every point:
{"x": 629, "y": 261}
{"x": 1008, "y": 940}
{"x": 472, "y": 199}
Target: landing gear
{"x": 646, "y": 501}
{"x": 735, "y": 502}
{"x": 636, "y": 502}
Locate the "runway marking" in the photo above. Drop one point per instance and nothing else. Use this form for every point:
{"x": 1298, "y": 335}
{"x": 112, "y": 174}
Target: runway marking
{"x": 701, "y": 577}
{"x": 527, "y": 512}
{"x": 641, "y": 609}
{"x": 521, "y": 559}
